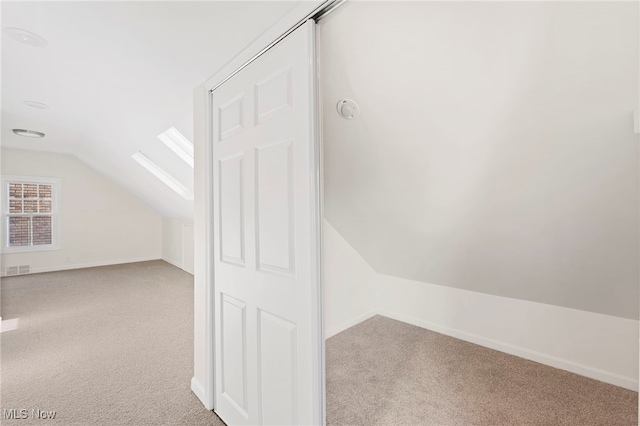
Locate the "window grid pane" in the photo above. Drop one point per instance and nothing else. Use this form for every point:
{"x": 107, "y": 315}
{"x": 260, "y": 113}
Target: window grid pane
{"x": 19, "y": 231}
{"x": 30, "y": 190}
{"x": 15, "y": 190}
{"x": 44, "y": 206}
{"x": 41, "y": 230}
{"x": 44, "y": 191}
{"x": 30, "y": 206}
{"x": 27, "y": 225}
{"x": 15, "y": 206}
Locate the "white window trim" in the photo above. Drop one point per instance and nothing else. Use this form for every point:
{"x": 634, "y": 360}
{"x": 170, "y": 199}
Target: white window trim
{"x": 55, "y": 213}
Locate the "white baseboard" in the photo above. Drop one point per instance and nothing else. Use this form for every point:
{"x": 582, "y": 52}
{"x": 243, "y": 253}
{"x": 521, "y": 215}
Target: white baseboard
{"x": 173, "y": 262}
{"x": 198, "y": 389}
{"x": 563, "y": 364}
{"x": 598, "y": 346}
{"x": 36, "y": 270}
{"x": 546, "y": 359}
{"x": 348, "y": 324}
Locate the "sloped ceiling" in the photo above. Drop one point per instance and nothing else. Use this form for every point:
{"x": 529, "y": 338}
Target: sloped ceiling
{"x": 495, "y": 149}
{"x": 116, "y": 75}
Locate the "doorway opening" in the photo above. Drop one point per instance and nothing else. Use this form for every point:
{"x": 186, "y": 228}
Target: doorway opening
{"x": 480, "y": 213}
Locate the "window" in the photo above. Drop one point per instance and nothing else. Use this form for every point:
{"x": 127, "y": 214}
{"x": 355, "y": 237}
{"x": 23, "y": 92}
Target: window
{"x": 165, "y": 177}
{"x": 177, "y": 143}
{"x": 30, "y": 213}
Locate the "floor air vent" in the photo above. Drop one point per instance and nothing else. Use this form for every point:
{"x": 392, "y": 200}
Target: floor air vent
{"x": 24, "y": 269}
{"x": 12, "y": 270}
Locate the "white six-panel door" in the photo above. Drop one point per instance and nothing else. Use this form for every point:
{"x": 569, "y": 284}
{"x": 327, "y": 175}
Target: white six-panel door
{"x": 268, "y": 339}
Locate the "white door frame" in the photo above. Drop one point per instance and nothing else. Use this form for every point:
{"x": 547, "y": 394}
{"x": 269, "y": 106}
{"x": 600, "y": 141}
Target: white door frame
{"x": 291, "y": 21}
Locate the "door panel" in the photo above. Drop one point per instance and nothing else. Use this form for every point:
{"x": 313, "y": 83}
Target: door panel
{"x": 234, "y": 354}
{"x": 275, "y": 207}
{"x": 277, "y": 342}
{"x": 273, "y": 96}
{"x": 230, "y": 118}
{"x": 266, "y": 232}
{"x": 230, "y": 179}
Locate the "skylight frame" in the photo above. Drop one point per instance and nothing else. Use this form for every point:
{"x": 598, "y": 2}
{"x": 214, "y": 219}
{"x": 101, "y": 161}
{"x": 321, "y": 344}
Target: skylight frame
{"x": 179, "y": 144}
{"x": 162, "y": 175}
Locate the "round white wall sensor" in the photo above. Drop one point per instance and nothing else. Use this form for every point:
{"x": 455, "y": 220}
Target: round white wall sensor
{"x": 348, "y": 109}
{"x": 25, "y": 37}
{"x": 28, "y": 133}
{"x": 37, "y": 105}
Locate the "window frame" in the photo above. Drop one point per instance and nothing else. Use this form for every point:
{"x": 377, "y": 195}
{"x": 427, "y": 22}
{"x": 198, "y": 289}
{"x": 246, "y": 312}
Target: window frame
{"x": 55, "y": 213}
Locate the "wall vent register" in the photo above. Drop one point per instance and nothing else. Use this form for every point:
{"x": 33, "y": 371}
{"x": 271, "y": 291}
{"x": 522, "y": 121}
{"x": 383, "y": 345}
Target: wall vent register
{"x": 17, "y": 270}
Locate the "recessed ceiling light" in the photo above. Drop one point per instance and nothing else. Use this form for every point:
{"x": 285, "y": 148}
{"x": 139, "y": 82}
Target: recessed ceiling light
{"x": 28, "y": 133}
{"x": 25, "y": 37}
{"x": 37, "y": 105}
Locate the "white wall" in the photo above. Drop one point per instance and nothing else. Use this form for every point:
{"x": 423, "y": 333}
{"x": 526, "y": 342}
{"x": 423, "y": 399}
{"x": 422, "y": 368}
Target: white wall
{"x": 503, "y": 169}
{"x": 174, "y": 236}
{"x": 188, "y": 248}
{"x": 599, "y": 346}
{"x": 348, "y": 292}
{"x": 500, "y": 164}
{"x": 101, "y": 224}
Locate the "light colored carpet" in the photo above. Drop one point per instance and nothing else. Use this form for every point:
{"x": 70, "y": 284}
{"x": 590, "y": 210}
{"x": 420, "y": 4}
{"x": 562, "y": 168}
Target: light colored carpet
{"x": 385, "y": 372}
{"x": 102, "y": 346}
{"x": 114, "y": 346}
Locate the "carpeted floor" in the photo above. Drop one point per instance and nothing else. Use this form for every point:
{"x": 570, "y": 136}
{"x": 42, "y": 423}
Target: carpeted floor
{"x": 385, "y": 372}
{"x": 114, "y": 346}
{"x": 101, "y": 346}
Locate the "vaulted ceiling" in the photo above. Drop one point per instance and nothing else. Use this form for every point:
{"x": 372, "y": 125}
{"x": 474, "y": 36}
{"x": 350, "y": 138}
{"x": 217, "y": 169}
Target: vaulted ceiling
{"x": 494, "y": 151}
{"x": 117, "y": 74}
{"x": 495, "y": 147}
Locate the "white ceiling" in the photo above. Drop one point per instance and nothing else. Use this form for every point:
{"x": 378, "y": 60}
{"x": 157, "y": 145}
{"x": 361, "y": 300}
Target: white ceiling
{"x": 494, "y": 150}
{"x": 117, "y": 74}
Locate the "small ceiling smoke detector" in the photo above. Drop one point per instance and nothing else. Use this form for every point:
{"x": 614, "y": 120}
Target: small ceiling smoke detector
{"x": 37, "y": 105}
{"x": 25, "y": 37}
{"x": 28, "y": 133}
{"x": 348, "y": 109}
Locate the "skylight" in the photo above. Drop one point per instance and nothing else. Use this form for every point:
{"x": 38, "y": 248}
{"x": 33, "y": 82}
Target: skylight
{"x": 178, "y": 144}
{"x": 165, "y": 177}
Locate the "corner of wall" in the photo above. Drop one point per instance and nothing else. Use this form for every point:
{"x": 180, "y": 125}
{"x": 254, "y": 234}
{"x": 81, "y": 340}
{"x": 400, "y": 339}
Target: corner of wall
{"x": 200, "y": 229}
{"x": 598, "y": 346}
{"x": 349, "y": 292}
